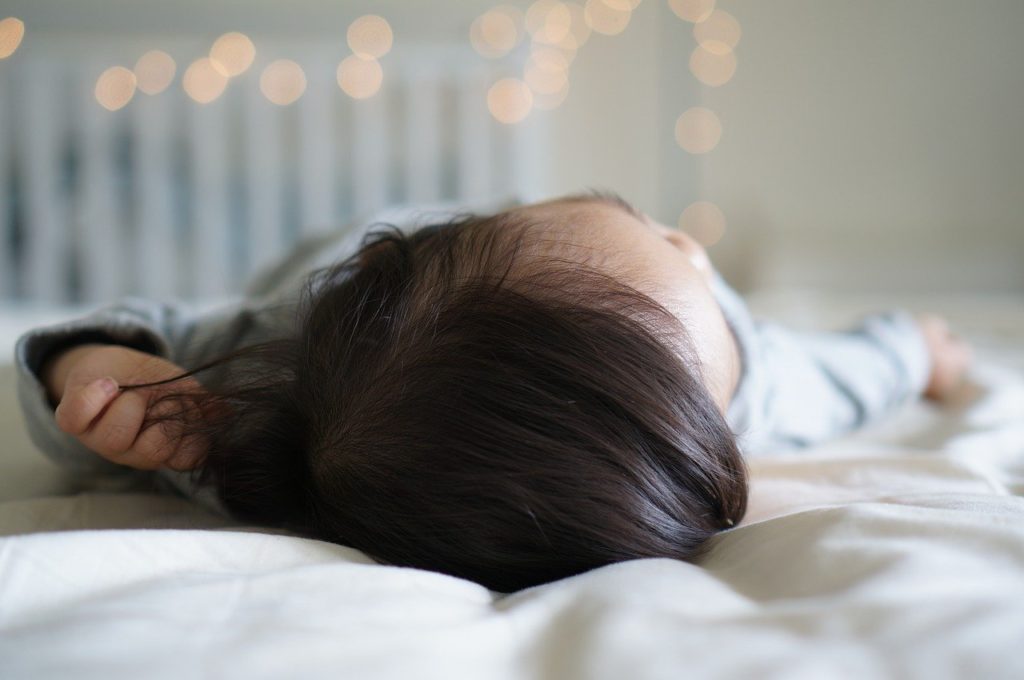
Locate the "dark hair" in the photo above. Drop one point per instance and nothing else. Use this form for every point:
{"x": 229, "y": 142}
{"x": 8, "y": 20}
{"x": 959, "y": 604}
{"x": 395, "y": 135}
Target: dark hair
{"x": 450, "y": 402}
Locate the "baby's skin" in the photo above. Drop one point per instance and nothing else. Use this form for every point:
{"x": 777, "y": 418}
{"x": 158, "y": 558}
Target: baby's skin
{"x": 84, "y": 382}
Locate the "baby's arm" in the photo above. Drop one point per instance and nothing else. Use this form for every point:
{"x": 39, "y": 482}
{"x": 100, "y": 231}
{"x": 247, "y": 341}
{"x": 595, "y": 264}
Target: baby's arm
{"x": 820, "y": 385}
{"x": 142, "y": 333}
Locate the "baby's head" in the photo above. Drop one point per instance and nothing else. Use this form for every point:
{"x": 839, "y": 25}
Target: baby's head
{"x": 512, "y": 399}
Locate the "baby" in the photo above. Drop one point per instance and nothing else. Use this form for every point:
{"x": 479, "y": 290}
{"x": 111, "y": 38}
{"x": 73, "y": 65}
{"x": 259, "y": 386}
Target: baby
{"x": 511, "y": 398}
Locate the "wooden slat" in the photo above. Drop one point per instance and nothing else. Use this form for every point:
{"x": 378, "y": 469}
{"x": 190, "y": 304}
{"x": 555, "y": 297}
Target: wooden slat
{"x": 527, "y": 141}
{"x": 317, "y": 162}
{"x": 210, "y": 228}
{"x": 370, "y": 166}
{"x": 97, "y": 220}
{"x": 264, "y": 187}
{"x": 7, "y": 268}
{"x": 156, "y": 248}
{"x": 45, "y": 225}
{"x": 475, "y": 147}
{"x": 423, "y": 136}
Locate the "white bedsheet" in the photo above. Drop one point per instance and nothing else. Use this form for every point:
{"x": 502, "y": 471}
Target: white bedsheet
{"x": 895, "y": 553}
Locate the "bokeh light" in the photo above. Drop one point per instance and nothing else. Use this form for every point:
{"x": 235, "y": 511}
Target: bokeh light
{"x": 282, "y": 82}
{"x": 579, "y": 30}
{"x": 543, "y": 80}
{"x": 548, "y": 21}
{"x": 115, "y": 87}
{"x": 604, "y": 18}
{"x": 704, "y": 221}
{"x": 370, "y": 36}
{"x": 12, "y": 30}
{"x": 203, "y": 81}
{"x": 154, "y": 71}
{"x": 509, "y": 100}
{"x": 698, "y": 130}
{"x": 626, "y": 5}
{"x": 712, "y": 68}
{"x": 548, "y": 101}
{"x": 719, "y": 33}
{"x": 548, "y": 58}
{"x": 232, "y": 54}
{"x": 692, "y": 10}
{"x": 496, "y": 32}
{"x": 360, "y": 78}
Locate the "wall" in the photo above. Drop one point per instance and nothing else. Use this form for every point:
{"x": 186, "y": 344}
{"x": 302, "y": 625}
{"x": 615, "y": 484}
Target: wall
{"x": 869, "y": 145}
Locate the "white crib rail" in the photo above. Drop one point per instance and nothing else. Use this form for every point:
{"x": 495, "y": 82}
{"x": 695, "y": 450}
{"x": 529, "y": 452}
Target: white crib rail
{"x": 170, "y": 198}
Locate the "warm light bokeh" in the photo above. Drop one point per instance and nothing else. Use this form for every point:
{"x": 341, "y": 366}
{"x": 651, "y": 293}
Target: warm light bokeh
{"x": 692, "y": 10}
{"x": 12, "y": 30}
{"x": 546, "y": 101}
{"x": 704, "y": 221}
{"x": 154, "y": 71}
{"x": 509, "y": 100}
{"x": 544, "y": 80}
{"x": 605, "y": 19}
{"x": 719, "y": 33}
{"x": 203, "y": 81}
{"x": 115, "y": 88}
{"x": 282, "y": 82}
{"x": 370, "y": 36}
{"x": 579, "y": 30}
{"x": 496, "y": 32}
{"x": 360, "y": 78}
{"x": 712, "y": 68}
{"x": 625, "y": 5}
{"x": 698, "y": 130}
{"x": 232, "y": 54}
{"x": 548, "y": 21}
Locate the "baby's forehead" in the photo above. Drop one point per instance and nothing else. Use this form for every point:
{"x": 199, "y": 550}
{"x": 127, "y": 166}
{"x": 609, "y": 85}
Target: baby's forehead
{"x": 590, "y": 231}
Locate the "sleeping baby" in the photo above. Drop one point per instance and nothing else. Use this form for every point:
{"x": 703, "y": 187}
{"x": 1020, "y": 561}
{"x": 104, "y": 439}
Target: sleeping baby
{"x": 511, "y": 398}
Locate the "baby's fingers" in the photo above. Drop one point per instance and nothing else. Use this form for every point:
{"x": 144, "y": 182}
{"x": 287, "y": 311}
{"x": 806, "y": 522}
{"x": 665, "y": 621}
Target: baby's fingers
{"x": 163, "y": 444}
{"x": 113, "y": 435}
{"x": 81, "y": 405}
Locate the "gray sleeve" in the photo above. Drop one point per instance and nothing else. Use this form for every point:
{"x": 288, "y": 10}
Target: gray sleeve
{"x": 820, "y": 385}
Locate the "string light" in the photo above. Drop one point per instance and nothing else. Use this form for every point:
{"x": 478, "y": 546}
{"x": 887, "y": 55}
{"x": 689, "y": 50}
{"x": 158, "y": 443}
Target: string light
{"x": 548, "y": 21}
{"x": 625, "y": 5}
{"x": 203, "y": 81}
{"x": 704, "y": 221}
{"x": 509, "y": 100}
{"x": 360, "y": 78}
{"x": 718, "y": 33}
{"x": 282, "y": 82}
{"x": 115, "y": 88}
{"x": 604, "y": 18}
{"x": 370, "y": 36}
{"x": 692, "y": 10}
{"x": 496, "y": 32}
{"x": 549, "y": 101}
{"x": 712, "y": 68}
{"x": 232, "y": 54}
{"x": 154, "y": 71}
{"x": 698, "y": 130}
{"x": 12, "y": 30}
{"x": 579, "y": 31}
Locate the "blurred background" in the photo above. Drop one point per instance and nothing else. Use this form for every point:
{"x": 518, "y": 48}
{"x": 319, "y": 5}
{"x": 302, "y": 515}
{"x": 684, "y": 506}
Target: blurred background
{"x": 170, "y": 149}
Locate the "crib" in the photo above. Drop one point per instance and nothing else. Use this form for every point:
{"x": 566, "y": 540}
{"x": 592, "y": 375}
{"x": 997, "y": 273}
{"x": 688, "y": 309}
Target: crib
{"x": 167, "y": 197}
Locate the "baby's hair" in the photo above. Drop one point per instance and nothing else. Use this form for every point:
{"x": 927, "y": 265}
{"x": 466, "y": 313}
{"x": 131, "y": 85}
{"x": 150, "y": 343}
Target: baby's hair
{"x": 454, "y": 400}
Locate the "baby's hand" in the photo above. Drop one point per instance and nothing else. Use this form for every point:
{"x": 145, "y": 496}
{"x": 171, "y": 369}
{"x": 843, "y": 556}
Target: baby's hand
{"x": 85, "y": 381}
{"x": 951, "y": 356}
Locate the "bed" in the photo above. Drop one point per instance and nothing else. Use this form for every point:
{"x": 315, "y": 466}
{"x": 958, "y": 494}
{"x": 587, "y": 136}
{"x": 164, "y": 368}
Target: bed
{"x": 895, "y": 552}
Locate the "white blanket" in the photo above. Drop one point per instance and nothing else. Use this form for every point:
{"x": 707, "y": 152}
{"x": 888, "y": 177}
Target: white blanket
{"x": 895, "y": 553}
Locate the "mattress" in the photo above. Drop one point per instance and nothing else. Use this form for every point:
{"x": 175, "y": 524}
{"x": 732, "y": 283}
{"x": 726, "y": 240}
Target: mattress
{"x": 894, "y": 552}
